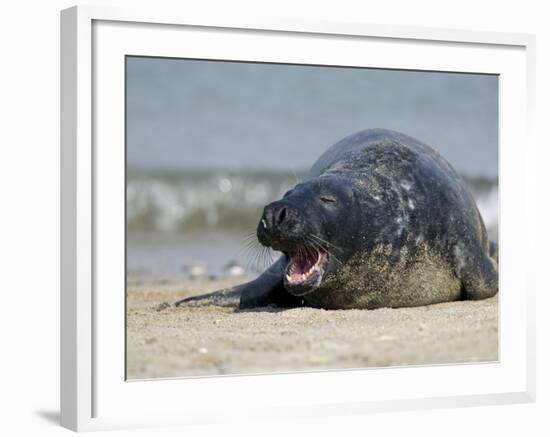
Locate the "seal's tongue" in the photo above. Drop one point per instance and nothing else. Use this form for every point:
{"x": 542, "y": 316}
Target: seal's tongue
{"x": 303, "y": 263}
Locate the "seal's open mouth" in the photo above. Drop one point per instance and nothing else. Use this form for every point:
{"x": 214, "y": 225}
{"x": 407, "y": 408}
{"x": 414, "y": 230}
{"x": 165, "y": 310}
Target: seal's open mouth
{"x": 306, "y": 266}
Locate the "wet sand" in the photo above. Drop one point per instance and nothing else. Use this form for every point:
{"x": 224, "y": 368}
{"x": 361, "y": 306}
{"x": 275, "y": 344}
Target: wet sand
{"x": 217, "y": 338}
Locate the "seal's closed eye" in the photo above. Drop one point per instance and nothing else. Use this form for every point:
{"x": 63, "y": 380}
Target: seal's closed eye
{"x": 328, "y": 199}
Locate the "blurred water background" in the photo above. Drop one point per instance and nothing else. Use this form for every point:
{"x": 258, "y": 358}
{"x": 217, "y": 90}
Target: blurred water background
{"x": 210, "y": 143}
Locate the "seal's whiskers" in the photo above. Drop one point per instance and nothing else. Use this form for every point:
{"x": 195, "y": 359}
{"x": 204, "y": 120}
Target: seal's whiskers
{"x": 319, "y": 246}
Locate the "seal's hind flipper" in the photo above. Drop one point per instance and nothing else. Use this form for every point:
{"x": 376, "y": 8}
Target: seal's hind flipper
{"x": 267, "y": 289}
{"x": 493, "y": 252}
{"x": 477, "y": 271}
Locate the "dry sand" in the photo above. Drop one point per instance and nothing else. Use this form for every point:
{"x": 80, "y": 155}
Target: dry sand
{"x": 168, "y": 341}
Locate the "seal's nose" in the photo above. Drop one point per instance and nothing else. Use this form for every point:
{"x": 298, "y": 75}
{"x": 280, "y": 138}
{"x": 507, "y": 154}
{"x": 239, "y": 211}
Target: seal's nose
{"x": 278, "y": 220}
{"x": 275, "y": 215}
{"x": 278, "y": 214}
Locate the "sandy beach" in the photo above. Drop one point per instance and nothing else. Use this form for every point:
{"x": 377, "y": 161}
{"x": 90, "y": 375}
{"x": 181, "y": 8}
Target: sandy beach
{"x": 215, "y": 338}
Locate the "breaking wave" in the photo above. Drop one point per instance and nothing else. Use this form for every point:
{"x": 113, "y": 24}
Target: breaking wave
{"x": 192, "y": 200}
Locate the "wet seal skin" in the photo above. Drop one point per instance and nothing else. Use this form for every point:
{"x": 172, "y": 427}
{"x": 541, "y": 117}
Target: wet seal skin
{"x": 380, "y": 220}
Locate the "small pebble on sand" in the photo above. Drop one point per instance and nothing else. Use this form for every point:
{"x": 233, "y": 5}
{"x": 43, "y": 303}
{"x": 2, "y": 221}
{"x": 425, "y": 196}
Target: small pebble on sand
{"x": 195, "y": 271}
{"x": 233, "y": 268}
{"x": 162, "y": 306}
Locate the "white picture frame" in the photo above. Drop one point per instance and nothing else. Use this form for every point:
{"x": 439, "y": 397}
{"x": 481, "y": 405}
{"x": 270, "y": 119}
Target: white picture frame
{"x": 94, "y": 394}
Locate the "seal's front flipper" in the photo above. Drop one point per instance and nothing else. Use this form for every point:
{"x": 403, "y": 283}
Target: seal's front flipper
{"x": 268, "y": 289}
{"x": 227, "y": 297}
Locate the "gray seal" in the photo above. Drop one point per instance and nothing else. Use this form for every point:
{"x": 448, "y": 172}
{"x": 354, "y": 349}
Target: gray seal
{"x": 380, "y": 220}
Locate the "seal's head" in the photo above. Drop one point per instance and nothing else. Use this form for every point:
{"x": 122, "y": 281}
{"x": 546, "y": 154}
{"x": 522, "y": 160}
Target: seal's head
{"x": 311, "y": 225}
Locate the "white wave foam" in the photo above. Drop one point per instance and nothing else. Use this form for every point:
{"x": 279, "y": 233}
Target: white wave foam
{"x": 217, "y": 199}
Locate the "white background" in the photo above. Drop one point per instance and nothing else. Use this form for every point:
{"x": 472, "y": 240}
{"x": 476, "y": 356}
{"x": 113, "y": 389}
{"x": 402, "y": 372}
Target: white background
{"x": 29, "y": 214}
